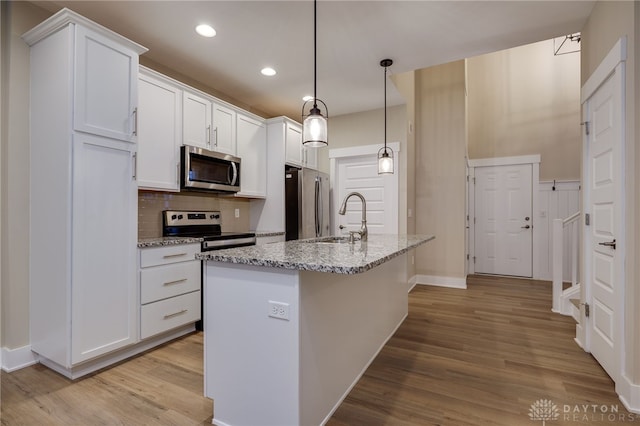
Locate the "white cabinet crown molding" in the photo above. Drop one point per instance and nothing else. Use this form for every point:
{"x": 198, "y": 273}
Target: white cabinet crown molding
{"x": 66, "y": 16}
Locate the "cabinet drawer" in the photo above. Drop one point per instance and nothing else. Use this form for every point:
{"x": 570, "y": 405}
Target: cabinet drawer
{"x": 162, "y": 282}
{"x": 168, "y": 254}
{"x": 169, "y": 313}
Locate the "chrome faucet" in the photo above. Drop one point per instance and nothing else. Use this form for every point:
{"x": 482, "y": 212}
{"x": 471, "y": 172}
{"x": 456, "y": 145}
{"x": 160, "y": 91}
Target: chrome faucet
{"x": 343, "y": 209}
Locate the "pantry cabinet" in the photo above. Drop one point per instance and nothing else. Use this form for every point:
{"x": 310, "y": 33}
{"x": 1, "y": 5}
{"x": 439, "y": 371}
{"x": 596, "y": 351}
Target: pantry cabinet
{"x": 159, "y": 132}
{"x": 83, "y": 192}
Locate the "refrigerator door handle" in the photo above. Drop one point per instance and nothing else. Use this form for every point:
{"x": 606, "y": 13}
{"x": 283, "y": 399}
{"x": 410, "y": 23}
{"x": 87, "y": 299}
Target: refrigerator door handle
{"x": 318, "y": 201}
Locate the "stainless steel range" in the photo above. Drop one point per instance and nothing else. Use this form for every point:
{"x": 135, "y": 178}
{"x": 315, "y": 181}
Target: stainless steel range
{"x": 206, "y": 225}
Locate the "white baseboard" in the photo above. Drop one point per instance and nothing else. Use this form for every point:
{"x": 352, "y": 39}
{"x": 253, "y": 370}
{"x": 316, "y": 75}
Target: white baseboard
{"x": 15, "y": 359}
{"x": 629, "y": 394}
{"x": 451, "y": 282}
{"x": 412, "y": 283}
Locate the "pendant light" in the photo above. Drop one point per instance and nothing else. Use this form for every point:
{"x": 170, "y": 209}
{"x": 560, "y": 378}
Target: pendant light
{"x": 314, "y": 123}
{"x": 385, "y": 155}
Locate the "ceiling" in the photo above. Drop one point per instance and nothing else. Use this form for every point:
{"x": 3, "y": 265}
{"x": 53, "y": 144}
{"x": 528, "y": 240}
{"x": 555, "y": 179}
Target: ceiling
{"x": 353, "y": 36}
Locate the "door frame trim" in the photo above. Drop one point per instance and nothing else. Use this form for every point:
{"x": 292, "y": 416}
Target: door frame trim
{"x": 534, "y": 160}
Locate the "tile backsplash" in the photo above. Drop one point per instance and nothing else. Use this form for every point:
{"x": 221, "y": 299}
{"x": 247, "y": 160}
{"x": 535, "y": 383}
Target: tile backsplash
{"x": 152, "y": 203}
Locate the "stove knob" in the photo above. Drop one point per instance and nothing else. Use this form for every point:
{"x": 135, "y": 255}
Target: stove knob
{"x": 173, "y": 217}
{"x": 216, "y": 216}
{"x": 212, "y": 216}
{"x": 180, "y": 216}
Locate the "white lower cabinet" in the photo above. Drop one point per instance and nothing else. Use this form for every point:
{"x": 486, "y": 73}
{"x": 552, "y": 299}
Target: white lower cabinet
{"x": 170, "y": 281}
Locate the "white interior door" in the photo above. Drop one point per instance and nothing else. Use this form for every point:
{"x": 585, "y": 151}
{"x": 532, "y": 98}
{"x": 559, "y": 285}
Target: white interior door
{"x": 603, "y": 197}
{"x": 360, "y": 174}
{"x": 503, "y": 220}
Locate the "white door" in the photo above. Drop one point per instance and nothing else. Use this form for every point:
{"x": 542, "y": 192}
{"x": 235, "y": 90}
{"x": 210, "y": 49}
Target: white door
{"x": 503, "y": 220}
{"x": 603, "y": 181}
{"x": 360, "y": 174}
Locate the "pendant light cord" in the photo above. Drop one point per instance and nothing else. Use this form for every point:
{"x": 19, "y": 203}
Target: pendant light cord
{"x": 315, "y": 54}
{"x": 385, "y": 109}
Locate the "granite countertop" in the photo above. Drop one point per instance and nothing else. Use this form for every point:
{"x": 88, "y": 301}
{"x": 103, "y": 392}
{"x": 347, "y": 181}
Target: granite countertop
{"x": 313, "y": 255}
{"x": 167, "y": 241}
{"x": 268, "y": 233}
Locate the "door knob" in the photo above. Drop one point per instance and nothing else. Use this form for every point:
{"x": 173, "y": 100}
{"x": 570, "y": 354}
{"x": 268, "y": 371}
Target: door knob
{"x": 525, "y": 227}
{"x": 526, "y": 218}
{"x": 341, "y": 226}
{"x": 611, "y": 244}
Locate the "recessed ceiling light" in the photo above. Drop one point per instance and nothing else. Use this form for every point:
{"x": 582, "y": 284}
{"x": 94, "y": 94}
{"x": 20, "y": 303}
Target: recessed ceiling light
{"x": 307, "y": 98}
{"x": 268, "y": 71}
{"x": 205, "y": 30}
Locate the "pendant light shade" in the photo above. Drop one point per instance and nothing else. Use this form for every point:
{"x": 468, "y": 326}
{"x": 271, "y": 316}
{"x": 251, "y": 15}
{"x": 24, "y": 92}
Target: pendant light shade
{"x": 314, "y": 126}
{"x": 385, "y": 155}
{"x": 314, "y": 121}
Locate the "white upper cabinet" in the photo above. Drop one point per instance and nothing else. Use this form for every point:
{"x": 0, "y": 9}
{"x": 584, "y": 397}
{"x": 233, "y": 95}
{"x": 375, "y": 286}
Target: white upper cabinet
{"x": 196, "y": 120}
{"x": 159, "y": 132}
{"x": 297, "y": 154}
{"x": 208, "y": 124}
{"x": 224, "y": 129}
{"x": 293, "y": 143}
{"x": 105, "y": 85}
{"x": 252, "y": 149}
{"x": 310, "y": 157}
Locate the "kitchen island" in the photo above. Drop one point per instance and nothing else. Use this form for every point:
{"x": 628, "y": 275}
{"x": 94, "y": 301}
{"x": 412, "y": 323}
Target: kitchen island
{"x": 290, "y": 327}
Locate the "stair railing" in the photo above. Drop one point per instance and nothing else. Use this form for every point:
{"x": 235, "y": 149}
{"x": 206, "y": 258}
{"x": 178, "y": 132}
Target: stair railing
{"x": 558, "y": 235}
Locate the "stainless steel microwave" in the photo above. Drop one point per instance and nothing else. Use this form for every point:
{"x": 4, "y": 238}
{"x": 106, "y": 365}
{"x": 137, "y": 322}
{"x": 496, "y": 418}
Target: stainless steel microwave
{"x": 204, "y": 170}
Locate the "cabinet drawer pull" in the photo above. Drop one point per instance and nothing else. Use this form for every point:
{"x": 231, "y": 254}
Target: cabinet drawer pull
{"x": 175, "y": 281}
{"x": 175, "y": 314}
{"x": 167, "y": 256}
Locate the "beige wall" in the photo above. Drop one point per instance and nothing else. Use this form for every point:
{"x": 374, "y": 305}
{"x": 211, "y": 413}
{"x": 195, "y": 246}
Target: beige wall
{"x": 527, "y": 101}
{"x": 440, "y": 169}
{"x": 609, "y": 21}
{"x": 15, "y": 180}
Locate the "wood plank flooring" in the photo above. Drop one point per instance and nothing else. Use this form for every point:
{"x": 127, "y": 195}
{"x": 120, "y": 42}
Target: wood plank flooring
{"x": 480, "y": 356}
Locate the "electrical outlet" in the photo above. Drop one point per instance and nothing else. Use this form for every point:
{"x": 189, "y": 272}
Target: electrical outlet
{"x": 279, "y": 310}
{"x": 237, "y": 213}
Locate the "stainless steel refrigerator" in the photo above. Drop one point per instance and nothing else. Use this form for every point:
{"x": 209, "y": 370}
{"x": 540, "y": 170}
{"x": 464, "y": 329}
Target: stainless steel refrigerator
{"x": 306, "y": 203}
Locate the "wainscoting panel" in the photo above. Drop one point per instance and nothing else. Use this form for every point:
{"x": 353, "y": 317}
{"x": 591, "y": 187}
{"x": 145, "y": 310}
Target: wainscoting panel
{"x": 555, "y": 204}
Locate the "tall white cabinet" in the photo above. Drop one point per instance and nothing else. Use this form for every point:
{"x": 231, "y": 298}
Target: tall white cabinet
{"x": 83, "y": 192}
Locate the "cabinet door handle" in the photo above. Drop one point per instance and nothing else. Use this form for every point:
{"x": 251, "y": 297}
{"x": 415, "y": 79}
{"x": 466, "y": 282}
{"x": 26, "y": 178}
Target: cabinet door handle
{"x": 209, "y": 135}
{"x": 178, "y": 173}
{"x": 175, "y": 282}
{"x": 135, "y": 121}
{"x": 168, "y": 256}
{"x": 175, "y": 314}
{"x": 215, "y": 131}
{"x": 135, "y": 166}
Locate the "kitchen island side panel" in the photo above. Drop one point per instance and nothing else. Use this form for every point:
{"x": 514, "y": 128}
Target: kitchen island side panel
{"x": 344, "y": 322}
{"x": 251, "y": 360}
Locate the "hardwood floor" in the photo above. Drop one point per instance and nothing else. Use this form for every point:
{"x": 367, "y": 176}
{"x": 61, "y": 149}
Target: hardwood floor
{"x": 480, "y": 356}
